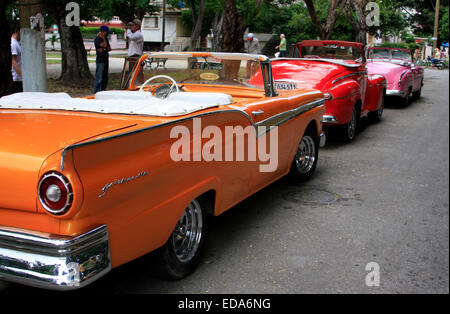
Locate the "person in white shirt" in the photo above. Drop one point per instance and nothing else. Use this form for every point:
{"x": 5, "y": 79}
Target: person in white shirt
{"x": 136, "y": 44}
{"x": 16, "y": 60}
{"x": 135, "y": 47}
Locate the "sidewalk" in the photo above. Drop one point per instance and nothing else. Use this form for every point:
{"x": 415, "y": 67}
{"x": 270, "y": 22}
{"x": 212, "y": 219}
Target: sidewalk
{"x": 115, "y": 66}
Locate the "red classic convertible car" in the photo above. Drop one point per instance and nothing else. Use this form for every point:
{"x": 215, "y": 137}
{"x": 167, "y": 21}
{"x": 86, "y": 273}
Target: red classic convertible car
{"x": 404, "y": 78}
{"x": 338, "y": 69}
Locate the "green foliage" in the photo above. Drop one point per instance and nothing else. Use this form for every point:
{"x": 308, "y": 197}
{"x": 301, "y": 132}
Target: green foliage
{"x": 91, "y": 32}
{"x": 393, "y": 19}
{"x": 394, "y": 45}
{"x": 444, "y": 25}
{"x": 211, "y": 8}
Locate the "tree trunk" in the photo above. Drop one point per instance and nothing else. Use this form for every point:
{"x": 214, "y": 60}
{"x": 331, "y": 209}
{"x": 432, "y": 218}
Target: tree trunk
{"x": 334, "y": 11}
{"x": 357, "y": 8}
{"x": 217, "y": 32}
{"x": 32, "y": 41}
{"x": 74, "y": 66}
{"x": 198, "y": 23}
{"x": 233, "y": 28}
{"x": 5, "y": 51}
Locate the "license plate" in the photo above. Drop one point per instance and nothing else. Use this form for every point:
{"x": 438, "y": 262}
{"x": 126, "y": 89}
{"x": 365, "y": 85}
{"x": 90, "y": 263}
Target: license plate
{"x": 285, "y": 86}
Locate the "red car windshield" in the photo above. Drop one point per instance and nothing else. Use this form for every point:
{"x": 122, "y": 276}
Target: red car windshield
{"x": 388, "y": 53}
{"x": 332, "y": 51}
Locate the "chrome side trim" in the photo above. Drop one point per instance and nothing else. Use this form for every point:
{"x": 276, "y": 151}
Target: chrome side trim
{"x": 292, "y": 114}
{"x": 284, "y": 117}
{"x": 53, "y": 262}
{"x": 353, "y": 94}
{"x": 348, "y": 75}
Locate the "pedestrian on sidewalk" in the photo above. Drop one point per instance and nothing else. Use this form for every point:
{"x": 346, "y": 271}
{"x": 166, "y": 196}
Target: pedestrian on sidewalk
{"x": 102, "y": 48}
{"x": 16, "y": 60}
{"x": 282, "y": 46}
{"x": 252, "y": 48}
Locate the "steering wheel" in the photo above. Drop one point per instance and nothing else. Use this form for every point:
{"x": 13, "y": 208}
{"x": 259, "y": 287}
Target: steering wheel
{"x": 161, "y": 76}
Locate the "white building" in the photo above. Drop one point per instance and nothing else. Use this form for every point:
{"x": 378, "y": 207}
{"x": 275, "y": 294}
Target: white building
{"x": 175, "y": 33}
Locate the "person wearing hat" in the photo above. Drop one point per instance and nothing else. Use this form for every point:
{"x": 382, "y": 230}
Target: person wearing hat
{"x": 102, "y": 49}
{"x": 253, "y": 48}
{"x": 135, "y": 46}
{"x": 252, "y": 44}
{"x": 134, "y": 34}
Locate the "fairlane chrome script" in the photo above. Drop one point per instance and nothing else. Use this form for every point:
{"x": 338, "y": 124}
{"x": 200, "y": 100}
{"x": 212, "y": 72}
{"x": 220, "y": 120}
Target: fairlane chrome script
{"x": 121, "y": 181}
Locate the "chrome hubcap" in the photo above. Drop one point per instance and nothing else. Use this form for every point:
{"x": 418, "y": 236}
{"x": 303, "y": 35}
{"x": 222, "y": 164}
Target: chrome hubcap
{"x": 188, "y": 232}
{"x": 305, "y": 155}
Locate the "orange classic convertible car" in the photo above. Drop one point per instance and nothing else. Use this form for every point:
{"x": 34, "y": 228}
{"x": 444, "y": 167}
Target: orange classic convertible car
{"x": 88, "y": 184}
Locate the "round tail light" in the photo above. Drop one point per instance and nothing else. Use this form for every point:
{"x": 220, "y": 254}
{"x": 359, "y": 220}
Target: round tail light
{"x": 55, "y": 193}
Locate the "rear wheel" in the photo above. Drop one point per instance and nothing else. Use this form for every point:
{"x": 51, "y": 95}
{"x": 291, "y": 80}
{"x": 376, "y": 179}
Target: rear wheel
{"x": 407, "y": 99}
{"x": 180, "y": 255}
{"x": 417, "y": 94}
{"x": 375, "y": 116}
{"x": 349, "y": 129}
{"x": 306, "y": 157}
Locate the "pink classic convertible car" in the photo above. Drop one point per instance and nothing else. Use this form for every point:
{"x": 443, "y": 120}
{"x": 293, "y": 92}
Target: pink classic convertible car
{"x": 404, "y": 78}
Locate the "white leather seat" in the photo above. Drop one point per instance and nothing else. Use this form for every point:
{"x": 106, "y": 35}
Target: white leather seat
{"x": 123, "y": 94}
{"x": 203, "y": 99}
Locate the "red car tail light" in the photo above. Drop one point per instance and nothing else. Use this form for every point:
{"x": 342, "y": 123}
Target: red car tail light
{"x": 55, "y": 193}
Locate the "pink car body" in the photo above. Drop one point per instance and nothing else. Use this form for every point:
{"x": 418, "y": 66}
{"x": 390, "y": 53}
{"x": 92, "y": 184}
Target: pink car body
{"x": 404, "y": 78}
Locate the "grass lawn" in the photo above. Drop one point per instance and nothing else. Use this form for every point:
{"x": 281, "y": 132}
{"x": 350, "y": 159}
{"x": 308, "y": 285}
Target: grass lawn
{"x": 53, "y": 61}
{"x": 56, "y": 86}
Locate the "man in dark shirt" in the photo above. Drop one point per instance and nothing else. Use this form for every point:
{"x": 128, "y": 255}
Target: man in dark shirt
{"x": 102, "y": 49}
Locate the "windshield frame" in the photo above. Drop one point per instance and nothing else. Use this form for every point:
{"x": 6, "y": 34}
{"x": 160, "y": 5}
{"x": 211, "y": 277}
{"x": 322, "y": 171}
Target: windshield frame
{"x": 264, "y": 65}
{"x": 390, "y": 49}
{"x": 323, "y": 43}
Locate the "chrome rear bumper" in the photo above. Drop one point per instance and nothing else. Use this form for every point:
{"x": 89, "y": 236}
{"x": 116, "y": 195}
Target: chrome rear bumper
{"x": 53, "y": 262}
{"x": 395, "y": 92}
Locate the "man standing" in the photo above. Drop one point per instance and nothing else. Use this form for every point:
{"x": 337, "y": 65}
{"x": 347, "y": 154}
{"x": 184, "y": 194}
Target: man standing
{"x": 136, "y": 47}
{"x": 252, "y": 44}
{"x": 16, "y": 68}
{"x": 102, "y": 49}
{"x": 134, "y": 34}
{"x": 282, "y": 46}
{"x": 253, "y": 48}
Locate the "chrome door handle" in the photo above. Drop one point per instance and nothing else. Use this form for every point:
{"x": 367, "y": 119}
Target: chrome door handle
{"x": 257, "y": 113}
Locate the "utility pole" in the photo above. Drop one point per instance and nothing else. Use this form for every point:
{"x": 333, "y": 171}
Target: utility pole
{"x": 436, "y": 25}
{"x": 163, "y": 39}
{"x": 32, "y": 41}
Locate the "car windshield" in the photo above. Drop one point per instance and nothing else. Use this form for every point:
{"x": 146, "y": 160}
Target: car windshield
{"x": 389, "y": 54}
{"x": 200, "y": 68}
{"x": 332, "y": 51}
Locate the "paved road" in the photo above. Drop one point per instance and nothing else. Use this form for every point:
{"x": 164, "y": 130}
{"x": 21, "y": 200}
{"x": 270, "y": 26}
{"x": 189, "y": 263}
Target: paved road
{"x": 383, "y": 198}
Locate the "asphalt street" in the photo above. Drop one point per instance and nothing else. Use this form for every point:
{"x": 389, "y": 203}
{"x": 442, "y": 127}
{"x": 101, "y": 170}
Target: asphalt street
{"x": 383, "y": 198}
